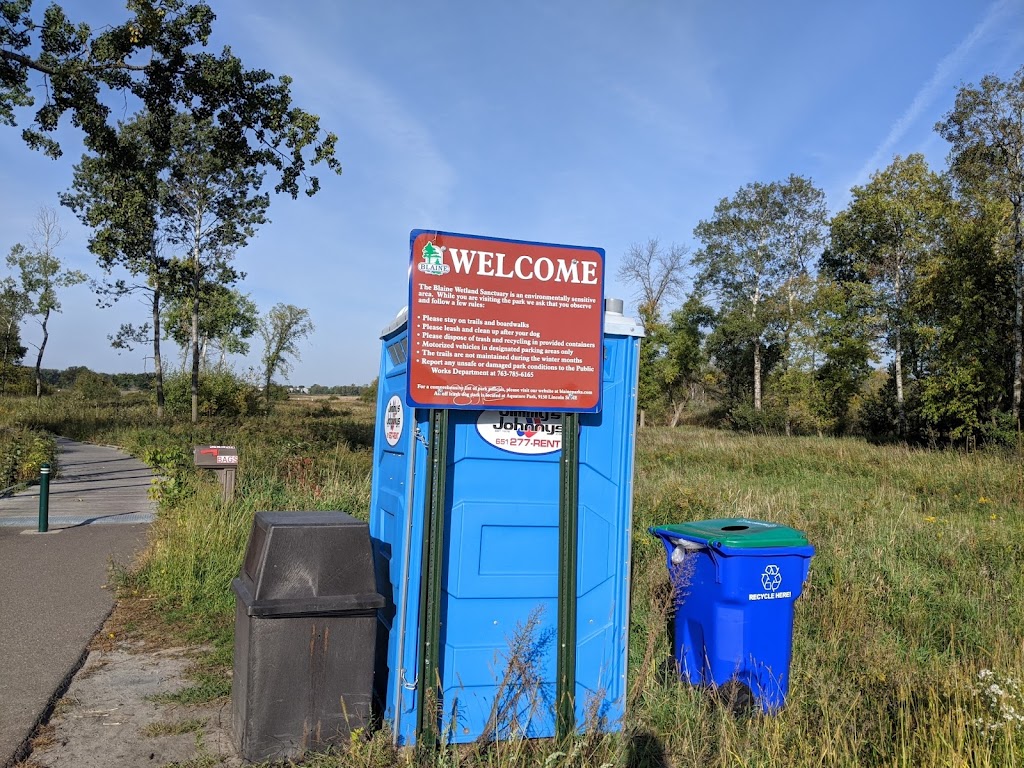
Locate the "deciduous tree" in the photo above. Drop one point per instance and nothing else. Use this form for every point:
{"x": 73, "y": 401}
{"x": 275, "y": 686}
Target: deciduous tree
{"x": 121, "y": 204}
{"x": 227, "y": 319}
{"x": 282, "y": 329}
{"x": 211, "y": 206}
{"x": 881, "y": 240}
{"x": 986, "y": 130}
{"x": 757, "y": 249}
{"x": 41, "y": 274}
{"x": 156, "y": 61}
{"x": 155, "y": 64}
{"x": 656, "y": 274}
{"x": 14, "y": 304}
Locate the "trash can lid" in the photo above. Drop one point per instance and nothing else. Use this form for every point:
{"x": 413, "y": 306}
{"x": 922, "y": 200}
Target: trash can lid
{"x": 736, "y": 533}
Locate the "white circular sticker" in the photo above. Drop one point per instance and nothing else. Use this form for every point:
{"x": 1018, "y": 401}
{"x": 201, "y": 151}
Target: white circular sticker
{"x": 527, "y": 432}
{"x": 394, "y": 418}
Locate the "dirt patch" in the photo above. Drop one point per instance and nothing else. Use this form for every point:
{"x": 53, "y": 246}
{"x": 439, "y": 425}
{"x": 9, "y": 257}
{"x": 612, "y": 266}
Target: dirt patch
{"x": 116, "y": 712}
{"x": 119, "y": 710}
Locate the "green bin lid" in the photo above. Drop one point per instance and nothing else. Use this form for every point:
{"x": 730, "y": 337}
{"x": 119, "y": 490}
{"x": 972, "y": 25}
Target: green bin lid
{"x": 739, "y": 533}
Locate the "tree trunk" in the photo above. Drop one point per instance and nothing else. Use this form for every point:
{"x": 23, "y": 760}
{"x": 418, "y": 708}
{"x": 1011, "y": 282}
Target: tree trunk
{"x": 901, "y": 415}
{"x": 756, "y": 299}
{"x": 677, "y": 413}
{"x": 158, "y": 366}
{"x": 1018, "y": 313}
{"x": 7, "y": 365}
{"x": 757, "y": 374}
{"x": 39, "y": 357}
{"x": 195, "y": 335}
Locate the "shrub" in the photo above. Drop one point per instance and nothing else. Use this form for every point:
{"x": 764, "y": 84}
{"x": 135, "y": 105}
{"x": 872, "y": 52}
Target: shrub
{"x": 95, "y": 387}
{"x": 22, "y": 452}
{"x": 768, "y": 421}
{"x": 222, "y": 392}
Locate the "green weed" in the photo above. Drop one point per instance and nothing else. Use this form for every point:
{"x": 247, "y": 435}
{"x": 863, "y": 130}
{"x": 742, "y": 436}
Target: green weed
{"x": 916, "y": 588}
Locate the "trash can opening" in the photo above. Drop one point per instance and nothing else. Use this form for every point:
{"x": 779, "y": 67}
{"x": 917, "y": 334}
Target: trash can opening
{"x": 735, "y": 527}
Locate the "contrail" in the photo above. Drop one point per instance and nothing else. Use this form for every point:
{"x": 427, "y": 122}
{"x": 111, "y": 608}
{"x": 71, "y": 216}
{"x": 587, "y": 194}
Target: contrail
{"x": 944, "y": 70}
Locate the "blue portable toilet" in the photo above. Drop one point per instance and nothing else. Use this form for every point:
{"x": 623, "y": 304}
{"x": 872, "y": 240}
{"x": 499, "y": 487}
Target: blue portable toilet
{"x": 500, "y": 561}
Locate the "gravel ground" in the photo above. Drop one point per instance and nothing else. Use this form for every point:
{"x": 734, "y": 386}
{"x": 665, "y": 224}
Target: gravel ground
{"x": 115, "y": 713}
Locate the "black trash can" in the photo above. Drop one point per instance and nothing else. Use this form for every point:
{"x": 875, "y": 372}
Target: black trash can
{"x": 305, "y": 631}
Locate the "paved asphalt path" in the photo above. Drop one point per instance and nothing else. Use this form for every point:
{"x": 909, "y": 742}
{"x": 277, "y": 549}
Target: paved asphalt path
{"x": 54, "y": 587}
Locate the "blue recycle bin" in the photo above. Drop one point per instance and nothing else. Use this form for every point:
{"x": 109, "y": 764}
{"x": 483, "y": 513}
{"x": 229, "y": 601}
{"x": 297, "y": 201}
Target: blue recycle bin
{"x": 736, "y": 581}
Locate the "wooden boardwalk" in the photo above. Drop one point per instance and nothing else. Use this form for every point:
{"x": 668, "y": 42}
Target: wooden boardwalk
{"x": 96, "y": 485}
{"x": 54, "y": 587}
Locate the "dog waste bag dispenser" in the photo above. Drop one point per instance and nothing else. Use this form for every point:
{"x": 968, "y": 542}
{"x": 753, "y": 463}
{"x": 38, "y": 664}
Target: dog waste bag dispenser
{"x": 500, "y": 552}
{"x": 305, "y": 623}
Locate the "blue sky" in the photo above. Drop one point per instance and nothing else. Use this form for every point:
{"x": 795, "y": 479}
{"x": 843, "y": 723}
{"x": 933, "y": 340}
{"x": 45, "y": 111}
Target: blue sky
{"x": 597, "y": 123}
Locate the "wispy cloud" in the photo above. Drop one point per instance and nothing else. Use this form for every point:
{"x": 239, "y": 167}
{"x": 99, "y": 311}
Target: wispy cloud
{"x": 945, "y": 70}
{"x": 346, "y": 94}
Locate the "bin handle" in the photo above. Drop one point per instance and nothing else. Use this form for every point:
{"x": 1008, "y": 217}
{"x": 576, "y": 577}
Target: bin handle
{"x": 683, "y": 544}
{"x": 405, "y": 684}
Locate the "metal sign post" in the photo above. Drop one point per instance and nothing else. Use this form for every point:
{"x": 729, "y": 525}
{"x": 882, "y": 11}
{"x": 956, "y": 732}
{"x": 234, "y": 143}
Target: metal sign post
{"x": 429, "y": 700}
{"x": 508, "y": 325}
{"x": 568, "y": 529}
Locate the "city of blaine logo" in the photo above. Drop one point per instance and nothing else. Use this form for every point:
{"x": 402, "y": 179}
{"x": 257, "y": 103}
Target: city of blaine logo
{"x": 433, "y": 261}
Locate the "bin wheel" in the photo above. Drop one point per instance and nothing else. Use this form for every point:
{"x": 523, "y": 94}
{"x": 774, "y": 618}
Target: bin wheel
{"x": 736, "y": 697}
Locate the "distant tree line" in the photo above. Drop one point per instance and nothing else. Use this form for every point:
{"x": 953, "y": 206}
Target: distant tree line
{"x": 345, "y": 390}
{"x": 66, "y": 378}
{"x": 899, "y": 317}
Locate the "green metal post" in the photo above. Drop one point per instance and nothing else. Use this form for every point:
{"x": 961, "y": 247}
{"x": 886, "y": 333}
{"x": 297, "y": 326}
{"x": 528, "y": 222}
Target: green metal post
{"x": 568, "y": 527}
{"x": 44, "y": 498}
{"x": 428, "y": 702}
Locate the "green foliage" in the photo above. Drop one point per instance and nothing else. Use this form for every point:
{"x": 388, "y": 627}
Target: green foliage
{"x": 22, "y": 452}
{"x": 282, "y": 329}
{"x": 65, "y": 378}
{"x": 81, "y": 67}
{"x": 227, "y": 319}
{"x": 95, "y": 387}
{"x": 369, "y": 394}
{"x": 757, "y": 250}
{"x": 729, "y": 349}
{"x": 985, "y": 129}
{"x": 672, "y": 361}
{"x": 14, "y": 305}
{"x": 222, "y": 393}
{"x": 346, "y": 390}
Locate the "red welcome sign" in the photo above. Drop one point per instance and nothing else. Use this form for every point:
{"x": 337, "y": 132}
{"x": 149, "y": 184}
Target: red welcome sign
{"x": 500, "y": 324}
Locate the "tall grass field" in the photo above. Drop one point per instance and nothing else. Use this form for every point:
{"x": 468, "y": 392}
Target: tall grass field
{"x": 908, "y": 639}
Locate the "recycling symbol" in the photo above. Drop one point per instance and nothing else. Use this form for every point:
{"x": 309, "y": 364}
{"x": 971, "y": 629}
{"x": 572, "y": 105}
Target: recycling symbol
{"x": 771, "y": 578}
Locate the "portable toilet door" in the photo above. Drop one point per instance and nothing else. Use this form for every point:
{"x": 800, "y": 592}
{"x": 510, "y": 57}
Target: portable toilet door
{"x": 500, "y": 562}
